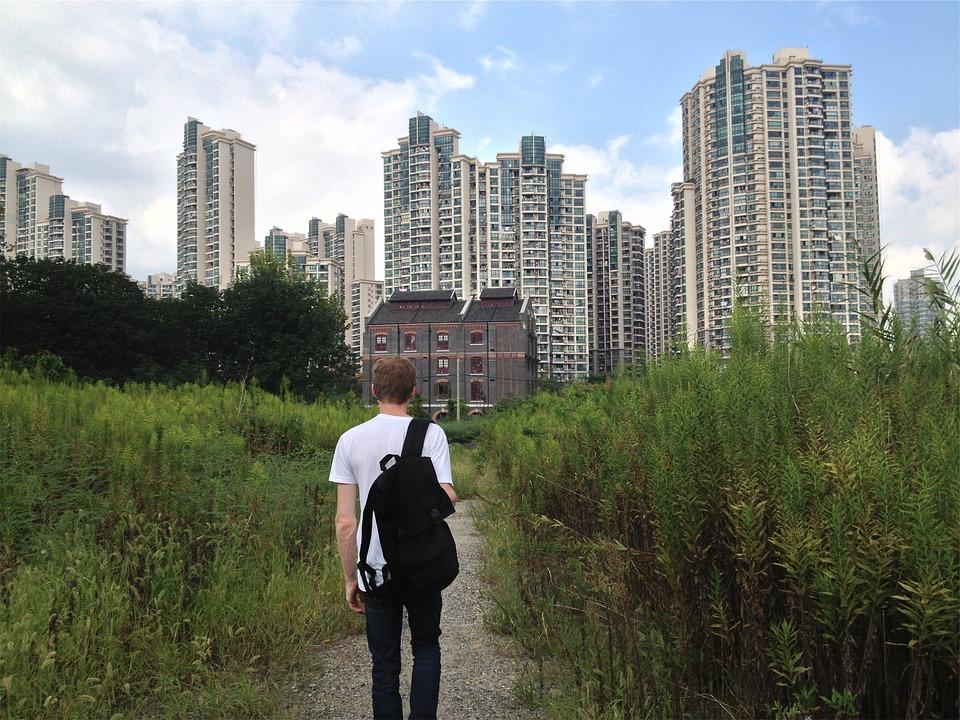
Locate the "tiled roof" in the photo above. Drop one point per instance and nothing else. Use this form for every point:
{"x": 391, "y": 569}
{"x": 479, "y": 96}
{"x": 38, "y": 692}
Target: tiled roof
{"x": 406, "y": 296}
{"x": 498, "y": 293}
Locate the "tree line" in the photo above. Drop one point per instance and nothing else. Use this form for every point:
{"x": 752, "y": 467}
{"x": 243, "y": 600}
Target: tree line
{"x": 272, "y": 326}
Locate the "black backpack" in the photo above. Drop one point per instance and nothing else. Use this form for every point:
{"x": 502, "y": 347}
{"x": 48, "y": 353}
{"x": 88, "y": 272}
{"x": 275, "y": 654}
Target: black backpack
{"x": 410, "y": 507}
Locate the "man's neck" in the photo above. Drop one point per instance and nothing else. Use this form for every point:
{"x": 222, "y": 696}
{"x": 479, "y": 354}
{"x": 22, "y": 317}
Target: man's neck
{"x": 393, "y": 409}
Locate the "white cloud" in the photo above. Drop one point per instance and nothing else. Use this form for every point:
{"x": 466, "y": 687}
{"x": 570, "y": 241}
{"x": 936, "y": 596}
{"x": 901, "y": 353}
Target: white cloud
{"x": 471, "y": 14}
{"x": 503, "y": 63}
{"x": 342, "y": 47}
{"x": 595, "y": 79}
{"x": 919, "y": 198}
{"x": 109, "y": 117}
{"x": 640, "y": 191}
{"x": 671, "y": 139}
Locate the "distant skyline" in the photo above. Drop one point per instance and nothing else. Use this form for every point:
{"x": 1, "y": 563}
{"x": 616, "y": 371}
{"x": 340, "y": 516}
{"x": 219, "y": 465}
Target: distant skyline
{"x": 100, "y": 93}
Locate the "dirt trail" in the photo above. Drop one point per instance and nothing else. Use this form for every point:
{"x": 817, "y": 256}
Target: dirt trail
{"x": 478, "y": 677}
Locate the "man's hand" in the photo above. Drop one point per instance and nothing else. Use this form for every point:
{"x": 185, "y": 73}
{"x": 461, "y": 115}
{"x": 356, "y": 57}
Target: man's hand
{"x": 354, "y": 596}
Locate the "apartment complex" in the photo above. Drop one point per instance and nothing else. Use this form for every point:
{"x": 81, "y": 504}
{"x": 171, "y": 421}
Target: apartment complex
{"x": 476, "y": 351}
{"x": 867, "y": 189}
{"x": 215, "y": 195}
{"x": 159, "y": 285}
{"x": 616, "y": 305}
{"x": 659, "y": 297}
{"x": 338, "y": 255}
{"x": 911, "y": 299}
{"x": 39, "y": 221}
{"x": 768, "y": 212}
{"x": 452, "y": 222}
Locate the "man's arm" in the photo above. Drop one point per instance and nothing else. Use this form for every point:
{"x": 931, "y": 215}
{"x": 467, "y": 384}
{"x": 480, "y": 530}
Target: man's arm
{"x": 451, "y": 493}
{"x": 439, "y": 451}
{"x": 346, "y": 525}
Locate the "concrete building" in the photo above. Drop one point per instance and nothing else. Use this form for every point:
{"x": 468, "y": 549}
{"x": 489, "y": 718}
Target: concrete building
{"x": 770, "y": 218}
{"x": 8, "y": 206}
{"x": 867, "y": 197}
{"x": 159, "y": 285}
{"x": 911, "y": 299}
{"x": 365, "y": 295}
{"x": 35, "y": 187}
{"x": 616, "y": 301}
{"x": 39, "y": 221}
{"x": 215, "y": 195}
{"x": 452, "y": 222}
{"x": 95, "y": 238}
{"x": 660, "y": 279}
{"x": 477, "y": 351}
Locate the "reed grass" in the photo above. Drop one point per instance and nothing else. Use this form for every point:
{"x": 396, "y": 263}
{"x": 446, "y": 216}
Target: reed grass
{"x": 774, "y": 535}
{"x": 163, "y": 552}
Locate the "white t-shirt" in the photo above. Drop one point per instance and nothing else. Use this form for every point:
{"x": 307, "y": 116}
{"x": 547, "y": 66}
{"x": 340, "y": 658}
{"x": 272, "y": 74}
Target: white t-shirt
{"x": 356, "y": 461}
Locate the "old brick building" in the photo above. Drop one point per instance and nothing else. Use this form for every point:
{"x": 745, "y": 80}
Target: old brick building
{"x": 478, "y": 350}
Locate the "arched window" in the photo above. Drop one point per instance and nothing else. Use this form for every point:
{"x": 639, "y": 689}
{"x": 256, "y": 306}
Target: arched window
{"x": 443, "y": 366}
{"x": 443, "y": 341}
{"x": 380, "y": 343}
{"x": 476, "y": 391}
{"x": 476, "y": 366}
{"x": 476, "y": 337}
{"x": 410, "y": 342}
{"x": 443, "y": 390}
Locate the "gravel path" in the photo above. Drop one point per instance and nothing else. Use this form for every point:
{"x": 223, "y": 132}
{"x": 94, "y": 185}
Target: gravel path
{"x": 478, "y": 677}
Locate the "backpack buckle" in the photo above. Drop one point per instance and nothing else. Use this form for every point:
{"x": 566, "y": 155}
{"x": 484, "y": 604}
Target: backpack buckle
{"x": 386, "y": 464}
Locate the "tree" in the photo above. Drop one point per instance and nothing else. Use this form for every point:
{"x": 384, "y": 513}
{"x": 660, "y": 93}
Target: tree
{"x": 273, "y": 324}
{"x": 186, "y": 332}
{"x": 97, "y": 321}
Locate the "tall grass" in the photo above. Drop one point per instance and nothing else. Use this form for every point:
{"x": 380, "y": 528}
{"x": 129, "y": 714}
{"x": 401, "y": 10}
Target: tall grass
{"x": 777, "y": 535}
{"x": 161, "y": 551}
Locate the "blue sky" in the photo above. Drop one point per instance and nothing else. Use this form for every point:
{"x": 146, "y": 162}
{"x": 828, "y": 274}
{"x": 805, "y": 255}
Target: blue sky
{"x": 322, "y": 88}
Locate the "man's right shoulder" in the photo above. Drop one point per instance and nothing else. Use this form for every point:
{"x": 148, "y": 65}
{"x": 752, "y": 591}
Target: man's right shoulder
{"x": 356, "y": 430}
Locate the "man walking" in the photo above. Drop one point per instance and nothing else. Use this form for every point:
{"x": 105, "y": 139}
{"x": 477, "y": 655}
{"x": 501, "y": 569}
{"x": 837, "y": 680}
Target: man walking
{"x": 356, "y": 464}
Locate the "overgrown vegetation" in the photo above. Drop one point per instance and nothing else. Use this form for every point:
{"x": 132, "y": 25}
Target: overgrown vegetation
{"x": 163, "y": 553}
{"x": 777, "y": 535}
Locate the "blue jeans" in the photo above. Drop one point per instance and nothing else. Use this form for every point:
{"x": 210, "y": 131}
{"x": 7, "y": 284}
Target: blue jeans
{"x": 384, "y": 617}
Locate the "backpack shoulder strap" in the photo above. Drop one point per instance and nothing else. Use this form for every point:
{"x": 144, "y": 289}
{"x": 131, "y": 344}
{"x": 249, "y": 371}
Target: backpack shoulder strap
{"x": 416, "y": 434}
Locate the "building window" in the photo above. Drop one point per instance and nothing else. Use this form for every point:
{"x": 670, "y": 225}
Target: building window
{"x": 476, "y": 337}
{"x": 476, "y": 391}
{"x": 443, "y": 366}
{"x": 476, "y": 366}
{"x": 410, "y": 342}
{"x": 380, "y": 343}
{"x": 443, "y": 391}
{"x": 443, "y": 341}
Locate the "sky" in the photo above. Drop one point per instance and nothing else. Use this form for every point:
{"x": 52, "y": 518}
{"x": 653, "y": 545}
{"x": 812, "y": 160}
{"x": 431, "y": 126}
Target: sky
{"x": 100, "y": 93}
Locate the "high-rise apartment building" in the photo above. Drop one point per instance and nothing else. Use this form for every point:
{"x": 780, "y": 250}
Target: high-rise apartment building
{"x": 769, "y": 153}
{"x": 660, "y": 279}
{"x": 617, "y": 288}
{"x": 39, "y": 221}
{"x": 452, "y": 222}
{"x": 95, "y": 238}
{"x": 911, "y": 299}
{"x": 867, "y": 189}
{"x": 686, "y": 259}
{"x": 215, "y": 194}
{"x": 8, "y": 206}
{"x": 365, "y": 295}
{"x": 159, "y": 285}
